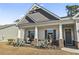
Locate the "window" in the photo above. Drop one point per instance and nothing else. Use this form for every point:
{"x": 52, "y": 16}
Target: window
{"x": 50, "y": 33}
{"x": 31, "y": 34}
{"x": 45, "y": 34}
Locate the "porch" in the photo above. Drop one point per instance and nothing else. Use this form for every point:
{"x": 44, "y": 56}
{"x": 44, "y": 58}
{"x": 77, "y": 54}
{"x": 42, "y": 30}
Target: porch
{"x": 62, "y": 35}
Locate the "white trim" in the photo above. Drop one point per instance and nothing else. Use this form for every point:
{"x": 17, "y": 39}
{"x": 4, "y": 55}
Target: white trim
{"x": 71, "y": 35}
{"x": 76, "y": 31}
{"x": 20, "y": 20}
{"x": 56, "y": 22}
{"x": 36, "y": 34}
{"x": 35, "y": 4}
{"x": 75, "y": 16}
{"x": 60, "y": 31}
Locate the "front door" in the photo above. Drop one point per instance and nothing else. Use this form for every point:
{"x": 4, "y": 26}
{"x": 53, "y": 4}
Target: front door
{"x": 68, "y": 37}
{"x": 50, "y": 37}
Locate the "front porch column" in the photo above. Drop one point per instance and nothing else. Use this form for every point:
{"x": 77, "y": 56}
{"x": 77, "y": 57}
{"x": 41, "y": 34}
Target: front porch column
{"x": 77, "y": 34}
{"x": 61, "y": 41}
{"x": 21, "y": 34}
{"x": 36, "y": 35}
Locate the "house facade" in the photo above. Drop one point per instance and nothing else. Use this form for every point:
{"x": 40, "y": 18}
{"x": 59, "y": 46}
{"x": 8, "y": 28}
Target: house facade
{"x": 40, "y": 24}
{"x": 8, "y": 31}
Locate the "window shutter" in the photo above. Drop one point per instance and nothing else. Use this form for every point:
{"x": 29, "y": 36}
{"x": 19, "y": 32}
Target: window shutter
{"x": 45, "y": 34}
{"x": 54, "y": 34}
{"x": 28, "y": 33}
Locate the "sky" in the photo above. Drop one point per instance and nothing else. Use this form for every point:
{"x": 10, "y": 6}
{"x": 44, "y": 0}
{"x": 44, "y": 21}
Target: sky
{"x": 9, "y": 12}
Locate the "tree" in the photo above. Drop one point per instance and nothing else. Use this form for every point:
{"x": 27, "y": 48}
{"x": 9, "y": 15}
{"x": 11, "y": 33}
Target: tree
{"x": 16, "y": 20}
{"x": 72, "y": 10}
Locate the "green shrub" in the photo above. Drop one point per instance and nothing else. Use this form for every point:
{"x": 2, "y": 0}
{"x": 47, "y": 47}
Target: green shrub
{"x": 10, "y": 41}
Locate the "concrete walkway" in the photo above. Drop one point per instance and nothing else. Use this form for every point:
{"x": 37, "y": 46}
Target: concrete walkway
{"x": 70, "y": 50}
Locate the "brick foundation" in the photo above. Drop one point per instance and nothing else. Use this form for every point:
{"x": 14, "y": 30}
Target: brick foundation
{"x": 34, "y": 43}
{"x": 77, "y": 45}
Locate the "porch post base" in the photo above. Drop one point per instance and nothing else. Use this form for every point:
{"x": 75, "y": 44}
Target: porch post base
{"x": 61, "y": 43}
{"x": 34, "y": 43}
{"x": 77, "y": 45}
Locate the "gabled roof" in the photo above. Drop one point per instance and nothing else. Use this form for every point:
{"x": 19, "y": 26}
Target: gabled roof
{"x": 25, "y": 20}
{"x": 44, "y": 9}
{"x": 38, "y": 14}
{"x": 66, "y": 18}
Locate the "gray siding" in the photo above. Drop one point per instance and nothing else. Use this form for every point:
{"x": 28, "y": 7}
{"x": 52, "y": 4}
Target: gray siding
{"x": 42, "y": 31}
{"x": 38, "y": 17}
{"x": 8, "y": 33}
